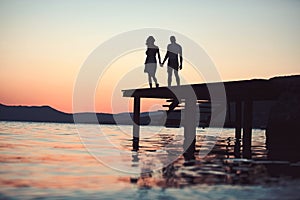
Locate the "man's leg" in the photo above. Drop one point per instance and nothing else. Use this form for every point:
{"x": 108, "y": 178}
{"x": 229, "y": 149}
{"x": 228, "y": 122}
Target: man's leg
{"x": 169, "y": 76}
{"x": 177, "y": 77}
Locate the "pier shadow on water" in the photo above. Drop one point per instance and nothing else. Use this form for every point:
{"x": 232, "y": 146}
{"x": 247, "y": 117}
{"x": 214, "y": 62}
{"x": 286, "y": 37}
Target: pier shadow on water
{"x": 223, "y": 164}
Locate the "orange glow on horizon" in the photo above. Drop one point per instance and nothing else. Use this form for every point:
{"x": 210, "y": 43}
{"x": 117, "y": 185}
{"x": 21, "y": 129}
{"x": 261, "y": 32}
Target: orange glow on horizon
{"x": 43, "y": 46}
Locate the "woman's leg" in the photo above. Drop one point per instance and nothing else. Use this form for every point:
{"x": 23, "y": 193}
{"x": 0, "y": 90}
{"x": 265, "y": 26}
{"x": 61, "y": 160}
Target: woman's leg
{"x": 155, "y": 80}
{"x": 149, "y": 80}
{"x": 153, "y": 71}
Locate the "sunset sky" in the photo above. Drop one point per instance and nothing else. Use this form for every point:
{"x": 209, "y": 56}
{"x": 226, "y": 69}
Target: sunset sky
{"x": 43, "y": 44}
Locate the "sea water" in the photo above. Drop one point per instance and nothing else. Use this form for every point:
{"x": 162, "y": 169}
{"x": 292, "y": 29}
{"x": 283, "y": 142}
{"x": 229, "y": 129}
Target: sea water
{"x": 64, "y": 161}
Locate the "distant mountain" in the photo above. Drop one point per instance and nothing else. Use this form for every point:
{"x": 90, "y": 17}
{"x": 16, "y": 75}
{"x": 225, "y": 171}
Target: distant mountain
{"x": 46, "y": 114}
{"x": 49, "y": 114}
{"x": 33, "y": 114}
{"x": 157, "y": 118}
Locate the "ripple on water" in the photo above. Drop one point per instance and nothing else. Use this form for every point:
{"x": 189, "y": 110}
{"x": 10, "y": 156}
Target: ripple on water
{"x": 46, "y": 160}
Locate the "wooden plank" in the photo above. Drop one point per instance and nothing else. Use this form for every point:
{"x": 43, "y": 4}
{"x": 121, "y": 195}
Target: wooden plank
{"x": 259, "y": 90}
{"x": 167, "y": 106}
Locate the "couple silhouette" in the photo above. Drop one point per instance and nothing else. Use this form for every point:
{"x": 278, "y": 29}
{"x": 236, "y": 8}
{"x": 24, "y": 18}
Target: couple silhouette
{"x": 174, "y": 51}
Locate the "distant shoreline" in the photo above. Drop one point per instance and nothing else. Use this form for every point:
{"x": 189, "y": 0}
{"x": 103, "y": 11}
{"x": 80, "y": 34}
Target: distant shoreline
{"x": 51, "y": 115}
{"x": 46, "y": 114}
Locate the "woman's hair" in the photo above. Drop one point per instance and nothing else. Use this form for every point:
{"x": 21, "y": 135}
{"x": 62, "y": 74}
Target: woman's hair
{"x": 150, "y": 40}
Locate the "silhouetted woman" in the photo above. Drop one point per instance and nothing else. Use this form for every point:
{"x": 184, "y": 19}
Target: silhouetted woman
{"x": 151, "y": 63}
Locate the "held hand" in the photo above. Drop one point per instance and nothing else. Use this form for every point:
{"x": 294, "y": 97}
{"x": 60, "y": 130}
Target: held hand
{"x": 180, "y": 67}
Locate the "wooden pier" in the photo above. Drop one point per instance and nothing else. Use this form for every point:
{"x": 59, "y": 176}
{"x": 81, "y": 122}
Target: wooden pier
{"x": 241, "y": 93}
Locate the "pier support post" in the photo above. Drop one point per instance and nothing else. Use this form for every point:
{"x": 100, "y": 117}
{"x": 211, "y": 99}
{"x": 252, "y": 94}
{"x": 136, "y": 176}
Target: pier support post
{"x": 238, "y": 128}
{"x": 189, "y": 124}
{"x": 136, "y": 124}
{"x": 247, "y": 128}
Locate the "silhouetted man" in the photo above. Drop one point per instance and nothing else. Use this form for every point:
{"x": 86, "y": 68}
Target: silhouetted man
{"x": 173, "y": 51}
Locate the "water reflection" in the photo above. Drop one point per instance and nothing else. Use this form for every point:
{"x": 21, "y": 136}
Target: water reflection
{"x": 40, "y": 160}
{"x": 135, "y": 144}
{"x": 223, "y": 165}
{"x": 189, "y": 154}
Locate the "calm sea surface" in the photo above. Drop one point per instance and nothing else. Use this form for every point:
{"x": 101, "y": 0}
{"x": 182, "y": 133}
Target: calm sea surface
{"x": 62, "y": 161}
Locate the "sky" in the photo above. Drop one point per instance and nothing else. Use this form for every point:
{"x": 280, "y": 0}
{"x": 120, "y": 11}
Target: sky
{"x": 44, "y": 44}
